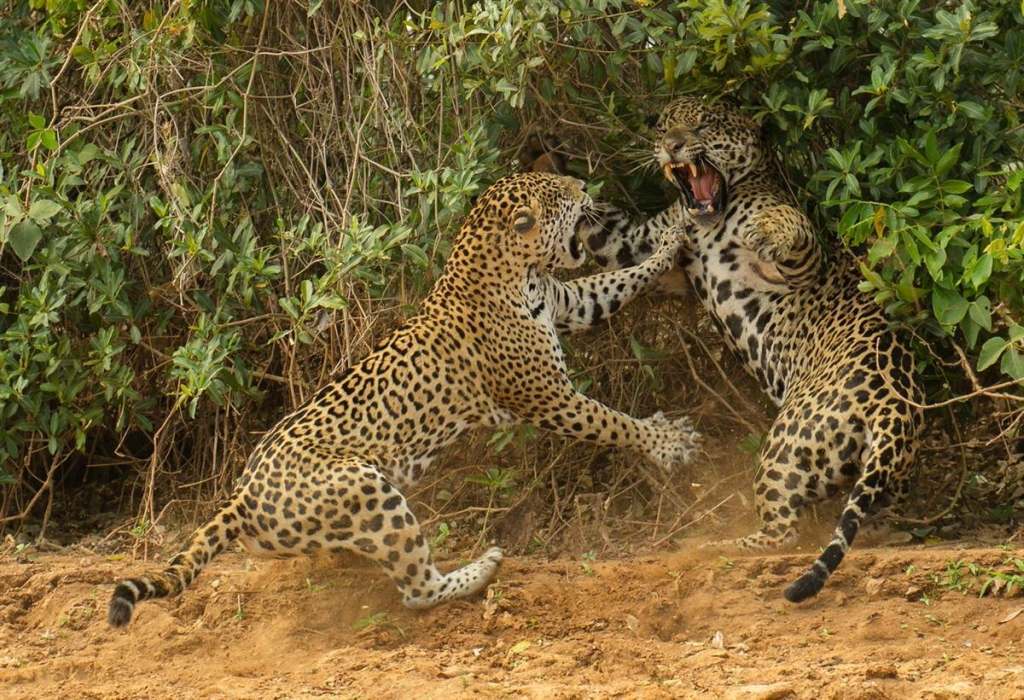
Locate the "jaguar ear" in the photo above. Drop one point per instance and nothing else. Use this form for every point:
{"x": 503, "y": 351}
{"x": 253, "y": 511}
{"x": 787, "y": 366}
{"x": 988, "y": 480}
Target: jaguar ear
{"x": 523, "y": 221}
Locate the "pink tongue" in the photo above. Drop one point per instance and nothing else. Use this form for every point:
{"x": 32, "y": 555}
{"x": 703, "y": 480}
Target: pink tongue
{"x": 704, "y": 185}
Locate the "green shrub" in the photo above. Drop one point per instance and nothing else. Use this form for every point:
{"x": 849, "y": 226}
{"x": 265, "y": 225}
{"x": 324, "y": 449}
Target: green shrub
{"x": 207, "y": 203}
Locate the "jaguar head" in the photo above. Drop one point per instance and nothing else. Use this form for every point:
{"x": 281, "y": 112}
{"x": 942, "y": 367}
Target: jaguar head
{"x": 704, "y": 148}
{"x": 544, "y": 217}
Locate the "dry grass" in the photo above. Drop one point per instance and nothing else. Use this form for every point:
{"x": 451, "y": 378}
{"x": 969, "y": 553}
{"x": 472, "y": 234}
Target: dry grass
{"x": 340, "y": 122}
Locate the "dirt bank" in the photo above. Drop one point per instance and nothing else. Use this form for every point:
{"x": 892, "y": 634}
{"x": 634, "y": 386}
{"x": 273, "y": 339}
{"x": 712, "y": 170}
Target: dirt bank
{"x": 692, "y": 624}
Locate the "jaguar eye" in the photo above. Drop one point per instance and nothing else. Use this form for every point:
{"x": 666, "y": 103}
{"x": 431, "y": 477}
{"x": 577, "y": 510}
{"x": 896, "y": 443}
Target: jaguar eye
{"x": 524, "y": 222}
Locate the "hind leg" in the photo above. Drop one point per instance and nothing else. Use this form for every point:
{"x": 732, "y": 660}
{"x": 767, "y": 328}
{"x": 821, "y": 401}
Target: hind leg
{"x": 888, "y": 458}
{"x": 879, "y": 529}
{"x": 802, "y": 462}
{"x": 374, "y": 520}
{"x": 777, "y": 511}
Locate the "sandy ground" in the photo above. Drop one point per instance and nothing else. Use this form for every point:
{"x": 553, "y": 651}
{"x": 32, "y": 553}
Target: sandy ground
{"x": 687, "y": 624}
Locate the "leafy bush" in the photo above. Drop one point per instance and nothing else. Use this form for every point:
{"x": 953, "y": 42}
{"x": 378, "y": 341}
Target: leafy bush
{"x": 208, "y": 205}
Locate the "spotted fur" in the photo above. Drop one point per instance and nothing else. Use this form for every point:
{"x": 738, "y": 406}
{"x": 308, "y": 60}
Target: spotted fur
{"x": 482, "y": 352}
{"x": 822, "y": 350}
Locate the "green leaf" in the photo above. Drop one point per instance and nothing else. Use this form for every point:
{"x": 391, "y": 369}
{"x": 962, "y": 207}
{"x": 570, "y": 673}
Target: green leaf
{"x": 43, "y": 210}
{"x": 644, "y": 353}
{"x": 948, "y": 305}
{"x": 89, "y": 152}
{"x": 24, "y": 238}
{"x": 972, "y": 109}
{"x": 982, "y": 270}
{"x": 1013, "y": 364}
{"x": 883, "y": 248}
{"x": 931, "y": 147}
{"x": 48, "y": 137}
{"x": 990, "y": 352}
{"x": 948, "y": 160}
{"x": 416, "y": 254}
{"x": 751, "y": 443}
{"x": 934, "y": 260}
{"x": 956, "y": 186}
{"x": 981, "y": 312}
{"x": 971, "y": 330}
{"x": 852, "y": 217}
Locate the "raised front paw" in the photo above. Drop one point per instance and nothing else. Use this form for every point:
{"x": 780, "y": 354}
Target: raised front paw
{"x": 772, "y": 233}
{"x": 677, "y": 442}
{"x": 671, "y": 239}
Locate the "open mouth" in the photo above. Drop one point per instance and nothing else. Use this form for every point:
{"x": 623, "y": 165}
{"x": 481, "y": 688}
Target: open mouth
{"x": 701, "y": 184}
{"x": 589, "y": 220}
{"x": 574, "y": 247}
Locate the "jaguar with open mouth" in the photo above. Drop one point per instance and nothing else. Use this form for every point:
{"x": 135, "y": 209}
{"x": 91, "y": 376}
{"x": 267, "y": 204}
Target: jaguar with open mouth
{"x": 702, "y": 186}
{"x": 821, "y": 349}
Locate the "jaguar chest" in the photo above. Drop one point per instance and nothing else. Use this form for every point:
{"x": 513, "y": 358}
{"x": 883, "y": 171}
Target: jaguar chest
{"x": 745, "y": 303}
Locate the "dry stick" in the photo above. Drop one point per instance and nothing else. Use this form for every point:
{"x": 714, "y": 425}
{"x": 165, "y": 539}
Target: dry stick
{"x": 1012, "y": 428}
{"x": 148, "y": 508}
{"x": 46, "y": 486}
{"x": 704, "y": 385}
{"x": 959, "y": 487}
{"x": 245, "y": 114}
{"x": 67, "y": 60}
{"x": 956, "y": 425}
{"x": 653, "y": 477}
{"x": 721, "y": 372}
{"x": 696, "y": 520}
{"x": 965, "y": 365}
{"x": 657, "y": 516}
{"x": 990, "y": 392}
{"x": 700, "y": 499}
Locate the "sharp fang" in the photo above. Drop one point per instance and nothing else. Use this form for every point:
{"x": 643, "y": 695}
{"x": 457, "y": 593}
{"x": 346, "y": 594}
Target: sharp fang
{"x": 667, "y": 170}
{"x": 693, "y": 170}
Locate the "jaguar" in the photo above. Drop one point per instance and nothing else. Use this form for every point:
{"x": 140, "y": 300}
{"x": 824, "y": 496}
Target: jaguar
{"x": 482, "y": 351}
{"x": 841, "y": 376}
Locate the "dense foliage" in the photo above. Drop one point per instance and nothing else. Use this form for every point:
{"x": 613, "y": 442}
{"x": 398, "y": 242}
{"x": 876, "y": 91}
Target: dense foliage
{"x": 206, "y": 202}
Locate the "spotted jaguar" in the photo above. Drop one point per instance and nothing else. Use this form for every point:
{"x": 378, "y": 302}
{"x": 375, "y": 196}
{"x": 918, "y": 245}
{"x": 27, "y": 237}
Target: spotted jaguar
{"x": 483, "y": 351}
{"x": 843, "y": 379}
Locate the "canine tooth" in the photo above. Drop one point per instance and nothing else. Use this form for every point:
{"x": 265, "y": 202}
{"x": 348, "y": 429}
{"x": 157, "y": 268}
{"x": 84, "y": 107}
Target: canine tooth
{"x": 693, "y": 170}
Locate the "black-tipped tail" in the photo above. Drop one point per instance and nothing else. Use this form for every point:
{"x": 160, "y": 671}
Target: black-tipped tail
{"x": 122, "y": 604}
{"x": 807, "y": 585}
{"x": 813, "y": 581}
{"x": 206, "y": 543}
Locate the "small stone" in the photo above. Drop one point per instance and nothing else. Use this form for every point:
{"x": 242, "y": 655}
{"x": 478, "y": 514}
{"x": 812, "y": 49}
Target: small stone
{"x": 9, "y": 662}
{"x": 454, "y": 671}
{"x": 881, "y": 671}
{"x": 949, "y": 691}
{"x": 775, "y": 691}
{"x": 874, "y": 586}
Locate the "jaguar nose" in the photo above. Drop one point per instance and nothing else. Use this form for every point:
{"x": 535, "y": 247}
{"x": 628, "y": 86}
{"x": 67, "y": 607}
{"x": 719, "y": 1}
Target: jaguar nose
{"x": 577, "y": 187}
{"x": 675, "y": 141}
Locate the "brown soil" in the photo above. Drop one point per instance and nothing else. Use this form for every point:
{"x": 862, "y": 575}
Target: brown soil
{"x": 652, "y": 617}
{"x": 688, "y": 624}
